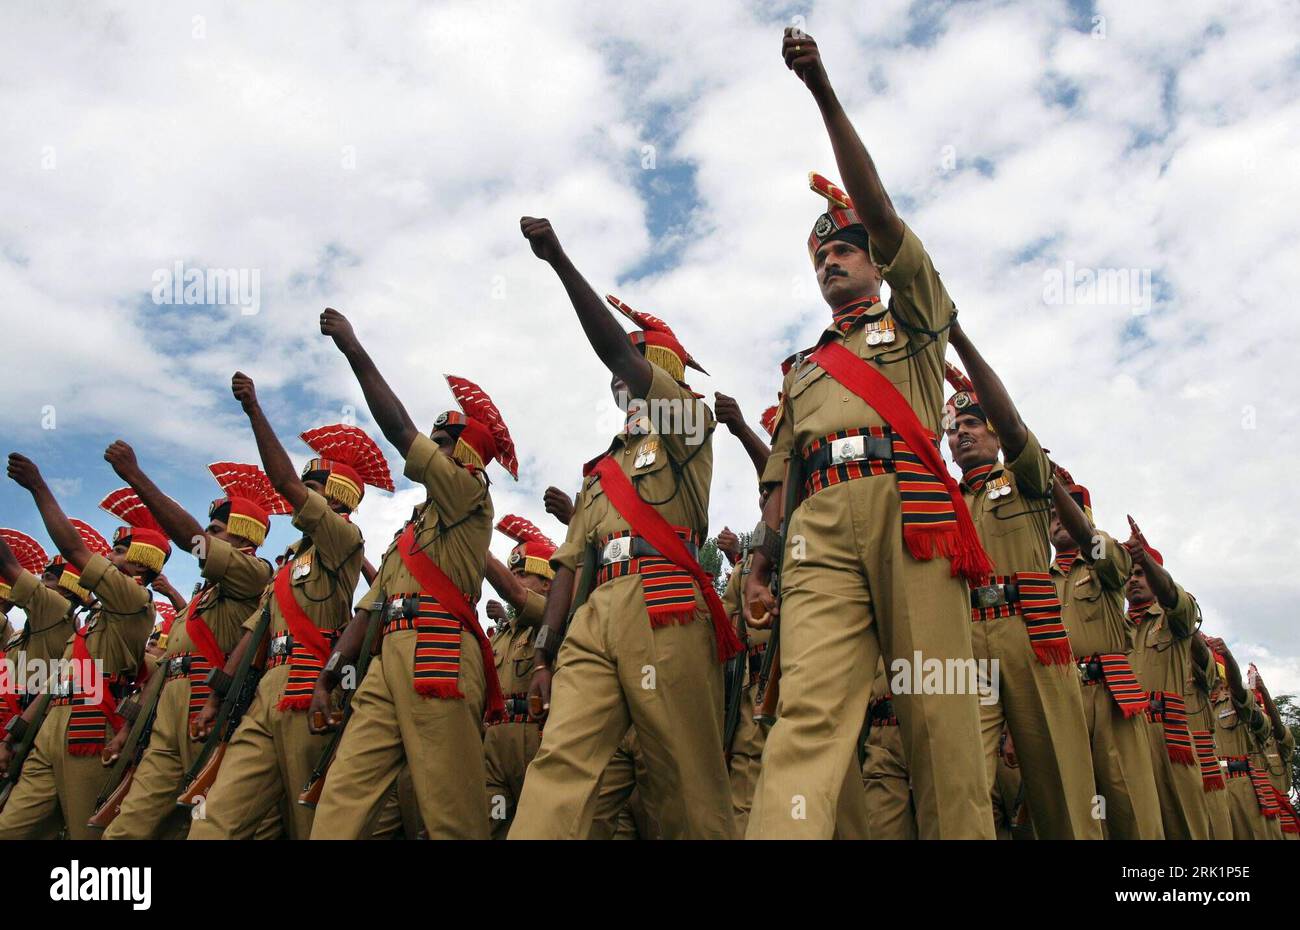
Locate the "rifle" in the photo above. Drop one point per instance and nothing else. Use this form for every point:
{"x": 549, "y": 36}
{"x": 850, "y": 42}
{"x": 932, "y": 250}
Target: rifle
{"x": 239, "y": 693}
{"x": 114, "y": 792}
{"x": 311, "y": 792}
{"x": 769, "y": 679}
{"x": 585, "y": 581}
{"x": 734, "y": 690}
{"x": 24, "y": 747}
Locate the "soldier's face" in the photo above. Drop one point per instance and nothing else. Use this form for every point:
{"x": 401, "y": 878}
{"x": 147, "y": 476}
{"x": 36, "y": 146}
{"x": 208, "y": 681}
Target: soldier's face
{"x": 1137, "y": 590}
{"x": 1061, "y": 539}
{"x": 131, "y": 569}
{"x": 51, "y": 580}
{"x": 445, "y": 440}
{"x": 534, "y": 583}
{"x": 844, "y": 273}
{"x": 971, "y": 442}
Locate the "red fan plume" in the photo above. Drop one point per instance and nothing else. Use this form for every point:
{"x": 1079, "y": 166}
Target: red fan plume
{"x": 26, "y": 550}
{"x": 353, "y": 447}
{"x": 478, "y": 406}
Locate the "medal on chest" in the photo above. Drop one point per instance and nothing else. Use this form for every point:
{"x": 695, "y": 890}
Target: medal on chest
{"x": 301, "y": 566}
{"x": 880, "y": 332}
{"x": 998, "y": 487}
{"x": 645, "y": 453}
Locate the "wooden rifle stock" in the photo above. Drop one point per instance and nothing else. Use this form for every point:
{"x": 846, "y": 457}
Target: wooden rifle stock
{"x": 202, "y": 783}
{"x": 112, "y": 805}
{"x": 24, "y": 748}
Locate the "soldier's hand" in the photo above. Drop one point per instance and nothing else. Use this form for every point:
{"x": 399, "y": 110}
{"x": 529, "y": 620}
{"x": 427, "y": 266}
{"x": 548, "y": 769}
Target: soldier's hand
{"x": 24, "y": 471}
{"x": 760, "y": 608}
{"x": 1008, "y": 751}
{"x": 206, "y": 719}
{"x": 539, "y": 693}
{"x": 729, "y": 543}
{"x": 1216, "y": 644}
{"x": 113, "y": 748}
{"x": 122, "y": 457}
{"x": 540, "y": 235}
{"x": 162, "y": 585}
{"x": 728, "y": 412}
{"x": 6, "y": 756}
{"x": 336, "y": 326}
{"x": 496, "y": 611}
{"x": 1136, "y": 544}
{"x": 244, "y": 390}
{"x": 319, "y": 718}
{"x": 804, "y": 58}
{"x": 558, "y": 504}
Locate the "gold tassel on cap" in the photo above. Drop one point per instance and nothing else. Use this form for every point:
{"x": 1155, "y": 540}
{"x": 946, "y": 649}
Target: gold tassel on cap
{"x": 666, "y": 359}
{"x": 150, "y": 557}
{"x": 247, "y": 527}
{"x": 70, "y": 581}
{"x": 538, "y": 566}
{"x": 340, "y": 489}
{"x": 465, "y": 454}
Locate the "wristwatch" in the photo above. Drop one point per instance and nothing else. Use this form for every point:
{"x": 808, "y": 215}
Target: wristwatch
{"x": 547, "y": 642}
{"x": 766, "y": 540}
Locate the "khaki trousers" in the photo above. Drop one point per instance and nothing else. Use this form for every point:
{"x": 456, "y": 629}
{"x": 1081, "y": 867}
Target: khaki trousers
{"x": 621, "y": 808}
{"x": 615, "y": 671}
{"x": 507, "y": 750}
{"x": 56, "y": 791}
{"x": 890, "y": 814}
{"x": 268, "y": 762}
{"x": 851, "y": 590}
{"x": 1184, "y": 811}
{"x": 746, "y": 759}
{"x": 440, "y": 739}
{"x": 1121, "y": 764}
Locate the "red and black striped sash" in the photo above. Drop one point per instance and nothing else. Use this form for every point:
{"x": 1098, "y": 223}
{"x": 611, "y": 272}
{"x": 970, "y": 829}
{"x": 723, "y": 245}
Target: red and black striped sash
{"x": 1286, "y": 813}
{"x": 304, "y": 668}
{"x": 1173, "y": 718}
{"x": 10, "y": 706}
{"x": 1211, "y": 776}
{"x": 88, "y": 723}
{"x": 1121, "y": 683}
{"x": 197, "y": 673}
{"x": 1264, "y": 794}
{"x": 437, "y": 646}
{"x": 1040, "y": 606}
{"x": 516, "y": 709}
{"x": 669, "y": 590}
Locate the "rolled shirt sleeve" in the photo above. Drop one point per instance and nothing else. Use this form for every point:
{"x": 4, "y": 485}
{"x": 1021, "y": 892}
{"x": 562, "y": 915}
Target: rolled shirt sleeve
{"x": 917, "y": 293}
{"x": 117, "y": 592}
{"x": 241, "y": 575}
{"x": 1031, "y": 468}
{"x": 334, "y": 536}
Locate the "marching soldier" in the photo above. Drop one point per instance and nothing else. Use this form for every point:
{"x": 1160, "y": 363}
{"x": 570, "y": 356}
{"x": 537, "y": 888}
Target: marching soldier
{"x": 1164, "y": 618}
{"x": 1237, "y": 717}
{"x": 1279, "y": 751}
{"x": 1264, "y": 760}
{"x": 650, "y": 638}
{"x": 859, "y": 419}
{"x": 510, "y": 744}
{"x": 200, "y": 641}
{"x": 272, "y": 753}
{"x": 1015, "y": 611}
{"x": 1090, "y": 570}
{"x": 50, "y": 615}
{"x": 891, "y": 814}
{"x": 62, "y": 775}
{"x": 424, "y": 696}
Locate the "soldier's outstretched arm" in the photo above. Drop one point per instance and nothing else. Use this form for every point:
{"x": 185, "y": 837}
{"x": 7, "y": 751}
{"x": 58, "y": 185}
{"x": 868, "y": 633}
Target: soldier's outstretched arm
{"x": 1279, "y": 726}
{"x": 1235, "y": 681}
{"x": 275, "y": 461}
{"x": 994, "y": 398}
{"x": 392, "y": 418}
{"x": 62, "y": 533}
{"x": 729, "y": 414}
{"x": 858, "y": 171}
{"x": 164, "y": 587}
{"x": 1158, "y": 578}
{"x": 1072, "y": 517}
{"x": 9, "y": 565}
{"x": 176, "y": 522}
{"x": 604, "y": 332}
{"x": 504, "y": 582}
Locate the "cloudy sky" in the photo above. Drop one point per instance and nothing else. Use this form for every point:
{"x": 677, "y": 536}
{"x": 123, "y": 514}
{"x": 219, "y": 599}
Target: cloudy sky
{"x": 379, "y": 163}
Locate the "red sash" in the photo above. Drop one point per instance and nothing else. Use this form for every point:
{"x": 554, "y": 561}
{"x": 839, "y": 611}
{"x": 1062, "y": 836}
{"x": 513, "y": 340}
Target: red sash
{"x": 87, "y": 732}
{"x": 201, "y": 635}
{"x": 646, "y": 522}
{"x": 9, "y": 706}
{"x": 435, "y": 583}
{"x": 959, "y": 543}
{"x": 300, "y": 625}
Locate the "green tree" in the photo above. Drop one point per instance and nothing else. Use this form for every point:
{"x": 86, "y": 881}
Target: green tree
{"x": 1289, "y": 708}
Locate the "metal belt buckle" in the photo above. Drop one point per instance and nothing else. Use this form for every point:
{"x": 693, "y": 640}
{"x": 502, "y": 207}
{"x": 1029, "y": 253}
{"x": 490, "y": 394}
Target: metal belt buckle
{"x": 1081, "y": 666}
{"x": 616, "y": 550}
{"x": 848, "y": 449}
{"x": 279, "y": 646}
{"x": 396, "y": 609}
{"x": 989, "y": 595}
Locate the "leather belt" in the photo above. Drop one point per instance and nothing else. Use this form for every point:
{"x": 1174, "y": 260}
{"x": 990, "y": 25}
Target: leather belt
{"x": 994, "y": 595}
{"x": 178, "y": 665}
{"x": 850, "y": 449}
{"x": 1090, "y": 670}
{"x": 625, "y": 548}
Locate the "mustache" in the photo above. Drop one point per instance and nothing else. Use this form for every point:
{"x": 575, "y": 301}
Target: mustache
{"x": 835, "y": 273}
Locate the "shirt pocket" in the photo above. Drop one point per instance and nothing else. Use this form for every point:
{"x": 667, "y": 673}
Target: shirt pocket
{"x": 1159, "y": 636}
{"x": 1008, "y": 512}
{"x": 1087, "y": 591}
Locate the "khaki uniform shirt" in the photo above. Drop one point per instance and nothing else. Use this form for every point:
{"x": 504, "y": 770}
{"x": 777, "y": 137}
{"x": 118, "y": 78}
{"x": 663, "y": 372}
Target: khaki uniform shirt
{"x": 1162, "y": 657}
{"x": 816, "y": 405}
{"x": 1233, "y": 724}
{"x": 673, "y": 477}
{"x": 454, "y": 528}
{"x": 50, "y": 619}
{"x": 120, "y": 621}
{"x": 513, "y": 646}
{"x": 1014, "y": 526}
{"x": 1092, "y": 600}
{"x": 324, "y": 567}
{"x": 237, "y": 581}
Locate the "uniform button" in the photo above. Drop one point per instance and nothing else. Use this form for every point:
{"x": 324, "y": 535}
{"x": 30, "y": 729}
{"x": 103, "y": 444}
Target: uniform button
{"x": 846, "y": 398}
